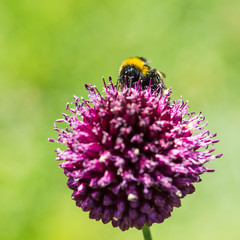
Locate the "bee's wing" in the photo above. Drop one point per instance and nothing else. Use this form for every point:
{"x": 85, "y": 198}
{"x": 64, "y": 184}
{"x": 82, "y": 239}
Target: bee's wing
{"x": 163, "y": 74}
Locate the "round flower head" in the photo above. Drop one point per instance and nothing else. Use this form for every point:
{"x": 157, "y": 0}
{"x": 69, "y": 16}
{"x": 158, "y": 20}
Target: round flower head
{"x": 132, "y": 155}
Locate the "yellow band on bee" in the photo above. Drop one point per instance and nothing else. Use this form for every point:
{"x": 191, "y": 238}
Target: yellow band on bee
{"x": 136, "y": 62}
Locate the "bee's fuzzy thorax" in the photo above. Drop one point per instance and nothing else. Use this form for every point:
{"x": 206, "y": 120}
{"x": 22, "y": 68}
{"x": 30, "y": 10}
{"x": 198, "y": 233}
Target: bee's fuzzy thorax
{"x": 135, "y": 61}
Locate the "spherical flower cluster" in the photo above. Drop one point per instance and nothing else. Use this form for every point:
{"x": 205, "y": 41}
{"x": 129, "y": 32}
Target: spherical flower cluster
{"x": 132, "y": 155}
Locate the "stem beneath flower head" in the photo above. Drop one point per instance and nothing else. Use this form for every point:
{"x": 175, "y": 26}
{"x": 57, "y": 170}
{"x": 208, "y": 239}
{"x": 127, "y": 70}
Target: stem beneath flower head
{"x": 146, "y": 233}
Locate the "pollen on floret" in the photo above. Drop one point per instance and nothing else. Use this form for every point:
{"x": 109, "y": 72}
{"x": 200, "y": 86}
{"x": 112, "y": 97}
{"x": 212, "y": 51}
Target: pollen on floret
{"x": 131, "y": 197}
{"x": 190, "y": 127}
{"x": 136, "y": 151}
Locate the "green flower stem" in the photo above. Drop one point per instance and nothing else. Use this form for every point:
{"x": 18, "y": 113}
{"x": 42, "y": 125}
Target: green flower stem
{"x": 146, "y": 233}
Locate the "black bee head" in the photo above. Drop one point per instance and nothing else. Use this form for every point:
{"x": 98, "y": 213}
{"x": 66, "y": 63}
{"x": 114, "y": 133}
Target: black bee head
{"x": 129, "y": 74}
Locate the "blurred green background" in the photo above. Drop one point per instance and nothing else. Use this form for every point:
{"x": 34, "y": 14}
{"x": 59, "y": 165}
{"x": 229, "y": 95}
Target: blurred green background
{"x": 50, "y": 49}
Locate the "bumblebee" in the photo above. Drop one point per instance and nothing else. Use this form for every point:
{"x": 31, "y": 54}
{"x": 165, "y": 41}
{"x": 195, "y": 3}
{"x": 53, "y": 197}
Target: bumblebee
{"x": 135, "y": 68}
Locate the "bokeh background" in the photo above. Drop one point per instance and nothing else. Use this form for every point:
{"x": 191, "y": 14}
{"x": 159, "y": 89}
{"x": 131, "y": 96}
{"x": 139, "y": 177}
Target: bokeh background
{"x": 50, "y": 48}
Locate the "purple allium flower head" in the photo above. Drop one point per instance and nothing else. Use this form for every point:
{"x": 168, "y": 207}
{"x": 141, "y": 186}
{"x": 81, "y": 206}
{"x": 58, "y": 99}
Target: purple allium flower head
{"x": 132, "y": 155}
